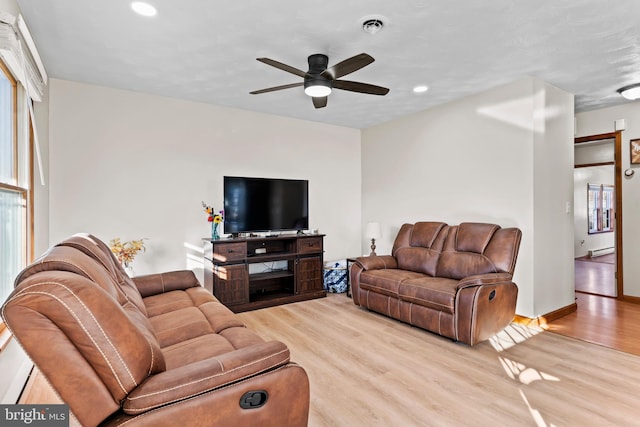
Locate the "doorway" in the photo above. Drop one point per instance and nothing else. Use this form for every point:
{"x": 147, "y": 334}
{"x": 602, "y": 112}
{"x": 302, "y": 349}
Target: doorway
{"x": 598, "y": 215}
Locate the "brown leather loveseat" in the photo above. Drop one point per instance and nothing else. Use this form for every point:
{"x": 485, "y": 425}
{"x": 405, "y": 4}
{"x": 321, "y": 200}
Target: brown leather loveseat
{"x": 156, "y": 350}
{"x": 455, "y": 281}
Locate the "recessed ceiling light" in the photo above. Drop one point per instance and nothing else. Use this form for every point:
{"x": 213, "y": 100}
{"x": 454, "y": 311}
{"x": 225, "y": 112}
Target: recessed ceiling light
{"x": 144, "y": 9}
{"x": 421, "y": 89}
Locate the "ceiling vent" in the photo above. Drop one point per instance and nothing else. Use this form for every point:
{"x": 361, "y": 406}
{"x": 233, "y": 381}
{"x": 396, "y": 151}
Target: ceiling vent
{"x": 373, "y": 24}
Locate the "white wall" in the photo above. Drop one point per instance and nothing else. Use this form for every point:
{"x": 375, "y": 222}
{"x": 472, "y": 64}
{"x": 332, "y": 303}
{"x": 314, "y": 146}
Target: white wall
{"x": 603, "y": 121}
{"x": 9, "y": 6}
{"x": 554, "y": 269}
{"x": 504, "y": 156}
{"x": 131, "y": 165}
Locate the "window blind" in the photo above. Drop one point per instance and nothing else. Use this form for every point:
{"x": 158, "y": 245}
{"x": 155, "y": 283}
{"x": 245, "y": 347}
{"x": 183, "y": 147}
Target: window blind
{"x": 21, "y": 56}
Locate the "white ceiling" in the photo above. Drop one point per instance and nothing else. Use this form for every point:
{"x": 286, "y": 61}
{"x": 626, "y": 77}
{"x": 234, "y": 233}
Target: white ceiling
{"x": 205, "y": 51}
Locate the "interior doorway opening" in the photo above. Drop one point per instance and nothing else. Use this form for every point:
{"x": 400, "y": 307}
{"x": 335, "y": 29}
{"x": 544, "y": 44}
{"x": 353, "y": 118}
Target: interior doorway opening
{"x": 598, "y": 215}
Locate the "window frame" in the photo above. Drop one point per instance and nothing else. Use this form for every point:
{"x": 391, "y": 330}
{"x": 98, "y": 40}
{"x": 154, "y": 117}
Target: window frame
{"x": 18, "y": 164}
{"x": 601, "y": 215}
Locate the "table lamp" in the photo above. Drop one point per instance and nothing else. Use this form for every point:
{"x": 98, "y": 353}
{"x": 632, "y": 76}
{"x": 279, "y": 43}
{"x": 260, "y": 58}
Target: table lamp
{"x": 373, "y": 232}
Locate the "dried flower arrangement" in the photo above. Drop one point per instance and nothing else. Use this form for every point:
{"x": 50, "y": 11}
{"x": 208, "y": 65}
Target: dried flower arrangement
{"x": 126, "y": 251}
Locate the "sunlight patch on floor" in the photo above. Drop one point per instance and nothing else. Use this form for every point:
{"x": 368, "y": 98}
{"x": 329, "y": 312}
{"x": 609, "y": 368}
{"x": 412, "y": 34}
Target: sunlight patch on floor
{"x": 512, "y": 335}
{"x": 535, "y": 414}
{"x": 518, "y": 371}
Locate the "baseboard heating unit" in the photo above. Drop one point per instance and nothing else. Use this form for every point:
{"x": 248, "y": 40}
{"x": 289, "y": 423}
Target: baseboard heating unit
{"x": 602, "y": 251}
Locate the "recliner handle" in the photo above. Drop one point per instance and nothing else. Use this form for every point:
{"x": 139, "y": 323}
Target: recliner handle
{"x": 254, "y": 399}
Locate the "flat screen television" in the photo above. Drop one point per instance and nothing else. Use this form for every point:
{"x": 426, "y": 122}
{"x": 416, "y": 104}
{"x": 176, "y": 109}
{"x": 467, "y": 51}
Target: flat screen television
{"x": 265, "y": 204}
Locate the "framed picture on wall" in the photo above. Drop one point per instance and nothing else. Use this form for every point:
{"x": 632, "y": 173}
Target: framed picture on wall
{"x": 635, "y": 151}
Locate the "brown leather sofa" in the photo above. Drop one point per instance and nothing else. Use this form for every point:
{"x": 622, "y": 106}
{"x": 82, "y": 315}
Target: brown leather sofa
{"x": 158, "y": 350}
{"x": 455, "y": 281}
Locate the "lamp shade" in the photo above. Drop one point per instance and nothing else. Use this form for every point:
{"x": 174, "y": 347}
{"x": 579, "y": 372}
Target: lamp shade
{"x": 373, "y": 230}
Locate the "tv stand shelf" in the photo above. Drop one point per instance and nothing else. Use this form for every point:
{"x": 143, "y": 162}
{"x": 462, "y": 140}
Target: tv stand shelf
{"x": 267, "y": 275}
{"x": 270, "y": 257}
{"x": 231, "y": 264}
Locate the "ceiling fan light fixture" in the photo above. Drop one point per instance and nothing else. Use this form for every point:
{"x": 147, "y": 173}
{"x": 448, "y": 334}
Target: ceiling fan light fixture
{"x": 143, "y": 8}
{"x": 631, "y": 92}
{"x": 317, "y": 87}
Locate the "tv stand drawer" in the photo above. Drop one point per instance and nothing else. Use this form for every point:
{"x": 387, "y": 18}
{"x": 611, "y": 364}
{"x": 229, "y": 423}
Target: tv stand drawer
{"x": 234, "y": 251}
{"x": 310, "y": 245}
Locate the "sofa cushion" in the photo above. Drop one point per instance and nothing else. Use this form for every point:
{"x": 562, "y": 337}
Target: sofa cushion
{"x": 206, "y": 375}
{"x": 74, "y": 261}
{"x": 463, "y": 253}
{"x": 166, "y": 303}
{"x": 386, "y": 281}
{"x": 474, "y": 237}
{"x": 180, "y": 325}
{"x": 458, "y": 265}
{"x": 417, "y": 247}
{"x": 195, "y": 349}
{"x": 100, "y": 252}
{"x": 434, "y": 292}
{"x": 425, "y": 233}
{"x": 423, "y": 260}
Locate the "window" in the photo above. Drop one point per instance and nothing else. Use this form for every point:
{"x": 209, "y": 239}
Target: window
{"x": 15, "y": 183}
{"x": 601, "y": 208}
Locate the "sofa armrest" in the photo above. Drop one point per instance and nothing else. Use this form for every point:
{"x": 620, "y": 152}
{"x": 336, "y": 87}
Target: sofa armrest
{"x": 367, "y": 263}
{"x": 200, "y": 377}
{"x": 153, "y": 284}
{"x": 377, "y": 262}
{"x": 485, "y": 305}
{"x": 485, "y": 279}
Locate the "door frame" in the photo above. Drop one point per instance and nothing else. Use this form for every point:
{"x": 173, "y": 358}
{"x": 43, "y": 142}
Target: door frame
{"x": 617, "y": 160}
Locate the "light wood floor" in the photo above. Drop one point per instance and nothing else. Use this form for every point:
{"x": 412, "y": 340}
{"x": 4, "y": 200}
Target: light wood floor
{"x": 604, "y": 321}
{"x": 368, "y": 370}
{"x": 600, "y": 319}
{"x": 595, "y": 276}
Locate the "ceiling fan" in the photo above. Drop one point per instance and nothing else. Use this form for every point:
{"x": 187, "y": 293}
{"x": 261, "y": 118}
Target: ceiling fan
{"x": 320, "y": 80}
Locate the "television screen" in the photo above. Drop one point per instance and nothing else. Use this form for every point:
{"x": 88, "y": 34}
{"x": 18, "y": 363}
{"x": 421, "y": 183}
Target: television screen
{"x": 265, "y": 204}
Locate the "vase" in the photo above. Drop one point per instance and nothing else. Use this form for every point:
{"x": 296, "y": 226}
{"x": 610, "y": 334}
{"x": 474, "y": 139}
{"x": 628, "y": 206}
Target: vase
{"x": 128, "y": 268}
{"x": 214, "y": 231}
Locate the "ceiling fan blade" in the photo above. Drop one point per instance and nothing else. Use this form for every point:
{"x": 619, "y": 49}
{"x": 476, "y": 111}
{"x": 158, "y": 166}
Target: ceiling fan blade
{"x": 360, "y": 87}
{"x": 271, "y": 89}
{"x": 348, "y": 66}
{"x": 319, "y": 101}
{"x": 284, "y": 67}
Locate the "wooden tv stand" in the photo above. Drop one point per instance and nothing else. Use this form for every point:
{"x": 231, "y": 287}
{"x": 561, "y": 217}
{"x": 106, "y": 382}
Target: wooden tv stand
{"x": 257, "y": 272}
